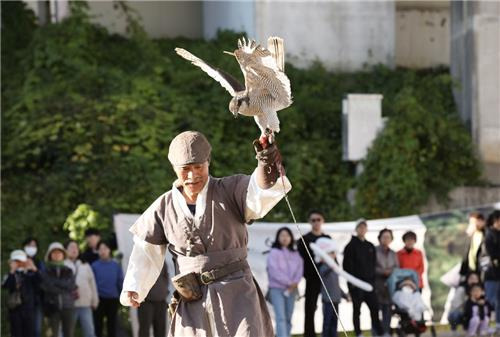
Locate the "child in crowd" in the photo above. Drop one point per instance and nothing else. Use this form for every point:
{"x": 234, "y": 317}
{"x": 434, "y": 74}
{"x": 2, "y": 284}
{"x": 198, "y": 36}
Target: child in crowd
{"x": 407, "y": 298}
{"x": 60, "y": 291}
{"x": 109, "y": 279}
{"x": 476, "y": 312}
{"x": 331, "y": 281}
{"x": 455, "y": 316}
{"x": 21, "y": 285}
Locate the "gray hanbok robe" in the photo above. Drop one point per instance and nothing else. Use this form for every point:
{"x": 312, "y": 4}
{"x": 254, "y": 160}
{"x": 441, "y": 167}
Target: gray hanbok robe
{"x": 215, "y": 236}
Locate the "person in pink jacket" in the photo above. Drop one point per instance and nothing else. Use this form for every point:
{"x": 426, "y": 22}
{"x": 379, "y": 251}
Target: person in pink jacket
{"x": 284, "y": 270}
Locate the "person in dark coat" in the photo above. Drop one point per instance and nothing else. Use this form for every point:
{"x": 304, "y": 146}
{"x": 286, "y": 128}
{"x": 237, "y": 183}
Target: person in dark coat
{"x": 360, "y": 261}
{"x": 154, "y": 309}
{"x": 92, "y": 238}
{"x": 492, "y": 275}
{"x": 59, "y": 287}
{"x": 20, "y": 284}
{"x": 30, "y": 246}
{"x": 313, "y": 283}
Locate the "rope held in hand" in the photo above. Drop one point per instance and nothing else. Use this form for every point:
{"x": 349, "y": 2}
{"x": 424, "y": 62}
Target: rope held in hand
{"x": 281, "y": 172}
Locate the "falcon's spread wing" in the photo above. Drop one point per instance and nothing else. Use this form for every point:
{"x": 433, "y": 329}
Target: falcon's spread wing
{"x": 262, "y": 66}
{"x": 275, "y": 46}
{"x": 229, "y": 83}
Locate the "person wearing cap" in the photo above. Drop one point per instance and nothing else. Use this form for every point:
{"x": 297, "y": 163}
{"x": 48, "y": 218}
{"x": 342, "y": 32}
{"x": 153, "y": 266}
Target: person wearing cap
{"x": 360, "y": 261}
{"x": 21, "y": 286}
{"x": 203, "y": 221}
{"x": 60, "y": 291}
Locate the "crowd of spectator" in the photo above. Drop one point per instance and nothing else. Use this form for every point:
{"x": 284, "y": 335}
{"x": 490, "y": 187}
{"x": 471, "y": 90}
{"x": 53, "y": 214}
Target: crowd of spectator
{"x": 478, "y": 293}
{"x": 65, "y": 288}
{"x": 477, "y": 297}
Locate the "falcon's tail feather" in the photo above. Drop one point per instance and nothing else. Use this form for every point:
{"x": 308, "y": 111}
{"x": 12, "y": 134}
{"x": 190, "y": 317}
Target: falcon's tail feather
{"x": 275, "y": 46}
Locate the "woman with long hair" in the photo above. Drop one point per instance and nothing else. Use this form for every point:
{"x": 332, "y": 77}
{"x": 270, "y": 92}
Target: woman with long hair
{"x": 284, "y": 270}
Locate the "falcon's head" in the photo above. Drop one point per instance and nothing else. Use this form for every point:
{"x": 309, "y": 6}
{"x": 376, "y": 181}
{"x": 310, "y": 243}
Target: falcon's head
{"x": 238, "y": 104}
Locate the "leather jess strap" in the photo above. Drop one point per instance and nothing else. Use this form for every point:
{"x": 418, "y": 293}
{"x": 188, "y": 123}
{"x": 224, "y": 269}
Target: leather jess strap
{"x": 216, "y": 274}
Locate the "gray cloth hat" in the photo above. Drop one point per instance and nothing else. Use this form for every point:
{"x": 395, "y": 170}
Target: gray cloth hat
{"x": 54, "y": 246}
{"x": 189, "y": 147}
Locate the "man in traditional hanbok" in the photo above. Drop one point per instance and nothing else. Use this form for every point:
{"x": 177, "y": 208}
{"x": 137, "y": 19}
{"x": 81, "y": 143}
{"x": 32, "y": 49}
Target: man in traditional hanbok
{"x": 202, "y": 220}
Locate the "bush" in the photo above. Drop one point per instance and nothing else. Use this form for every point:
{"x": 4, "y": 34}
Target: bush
{"x": 88, "y": 116}
{"x": 421, "y": 152}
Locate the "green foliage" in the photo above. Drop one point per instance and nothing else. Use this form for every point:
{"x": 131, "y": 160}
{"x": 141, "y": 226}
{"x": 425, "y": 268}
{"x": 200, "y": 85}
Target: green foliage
{"x": 88, "y": 116}
{"x": 422, "y": 151}
{"x": 83, "y": 218}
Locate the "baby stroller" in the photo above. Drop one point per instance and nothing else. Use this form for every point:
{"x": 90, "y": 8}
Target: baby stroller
{"x": 408, "y": 322}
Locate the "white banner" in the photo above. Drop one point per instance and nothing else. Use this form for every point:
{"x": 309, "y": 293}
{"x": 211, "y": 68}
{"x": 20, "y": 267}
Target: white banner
{"x": 261, "y": 236}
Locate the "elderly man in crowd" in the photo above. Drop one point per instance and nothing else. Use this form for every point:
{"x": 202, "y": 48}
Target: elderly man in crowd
{"x": 202, "y": 220}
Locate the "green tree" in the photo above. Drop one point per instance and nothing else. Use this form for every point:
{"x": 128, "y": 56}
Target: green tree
{"x": 421, "y": 152}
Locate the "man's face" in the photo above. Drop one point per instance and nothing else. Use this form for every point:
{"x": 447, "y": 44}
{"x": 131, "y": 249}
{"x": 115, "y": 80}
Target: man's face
{"x": 316, "y": 220}
{"x": 193, "y": 177}
{"x": 93, "y": 240}
{"x": 361, "y": 230}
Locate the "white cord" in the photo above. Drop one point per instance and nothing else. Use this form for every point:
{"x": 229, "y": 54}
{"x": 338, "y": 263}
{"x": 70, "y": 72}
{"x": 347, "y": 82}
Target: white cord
{"x": 307, "y": 248}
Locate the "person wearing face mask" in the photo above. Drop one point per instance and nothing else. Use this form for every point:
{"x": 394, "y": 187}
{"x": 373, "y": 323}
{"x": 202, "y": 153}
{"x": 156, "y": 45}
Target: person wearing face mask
{"x": 203, "y": 221}
{"x": 20, "y": 284}
{"x": 410, "y": 257}
{"x": 313, "y": 283}
{"x": 30, "y": 246}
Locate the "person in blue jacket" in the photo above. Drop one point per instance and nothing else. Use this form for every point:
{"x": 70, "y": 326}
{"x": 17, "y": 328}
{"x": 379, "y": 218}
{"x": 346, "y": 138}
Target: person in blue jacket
{"x": 109, "y": 279}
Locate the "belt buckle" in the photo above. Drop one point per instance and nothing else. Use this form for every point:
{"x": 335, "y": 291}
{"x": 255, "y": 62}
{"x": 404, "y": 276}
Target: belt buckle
{"x": 207, "y": 277}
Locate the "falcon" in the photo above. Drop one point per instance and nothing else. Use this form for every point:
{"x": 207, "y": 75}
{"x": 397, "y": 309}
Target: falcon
{"x": 266, "y": 89}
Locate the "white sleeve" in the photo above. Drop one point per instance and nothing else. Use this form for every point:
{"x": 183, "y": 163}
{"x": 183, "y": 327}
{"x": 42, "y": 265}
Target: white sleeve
{"x": 260, "y": 201}
{"x": 144, "y": 267}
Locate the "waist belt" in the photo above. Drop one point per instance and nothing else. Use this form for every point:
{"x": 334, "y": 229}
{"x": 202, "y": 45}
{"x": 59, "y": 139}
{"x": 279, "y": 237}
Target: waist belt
{"x": 188, "y": 286}
{"x": 216, "y": 274}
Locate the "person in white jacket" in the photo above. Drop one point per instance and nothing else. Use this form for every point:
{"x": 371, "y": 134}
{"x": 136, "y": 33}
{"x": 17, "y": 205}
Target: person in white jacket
{"x": 88, "y": 299}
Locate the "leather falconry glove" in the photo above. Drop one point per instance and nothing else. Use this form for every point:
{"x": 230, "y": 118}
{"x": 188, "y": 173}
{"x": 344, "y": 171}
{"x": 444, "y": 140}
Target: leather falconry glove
{"x": 269, "y": 163}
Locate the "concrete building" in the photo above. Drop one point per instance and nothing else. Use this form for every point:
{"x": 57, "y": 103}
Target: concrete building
{"x": 475, "y": 63}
